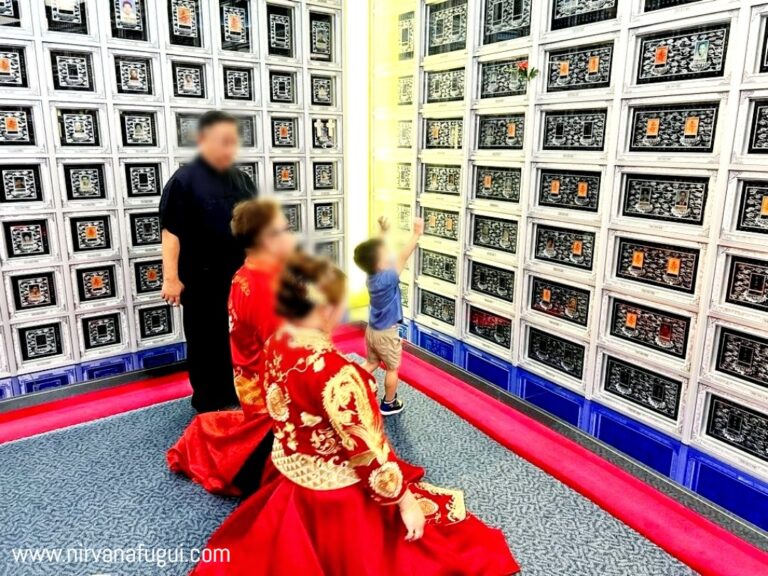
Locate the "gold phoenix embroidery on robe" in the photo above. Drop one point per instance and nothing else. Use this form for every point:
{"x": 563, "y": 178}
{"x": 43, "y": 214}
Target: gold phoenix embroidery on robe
{"x": 249, "y": 392}
{"x": 277, "y": 403}
{"x": 313, "y": 472}
{"x": 345, "y": 399}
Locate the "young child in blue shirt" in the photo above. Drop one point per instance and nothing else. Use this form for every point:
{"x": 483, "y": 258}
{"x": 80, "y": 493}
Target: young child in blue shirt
{"x": 382, "y": 340}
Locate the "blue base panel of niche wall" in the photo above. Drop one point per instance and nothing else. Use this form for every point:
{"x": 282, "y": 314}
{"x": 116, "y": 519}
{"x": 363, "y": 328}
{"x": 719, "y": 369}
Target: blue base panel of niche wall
{"x": 722, "y": 484}
{"x": 91, "y": 370}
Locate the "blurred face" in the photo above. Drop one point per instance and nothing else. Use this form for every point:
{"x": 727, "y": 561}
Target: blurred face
{"x": 383, "y": 258}
{"x": 278, "y": 240}
{"x": 219, "y": 145}
{"x": 333, "y": 316}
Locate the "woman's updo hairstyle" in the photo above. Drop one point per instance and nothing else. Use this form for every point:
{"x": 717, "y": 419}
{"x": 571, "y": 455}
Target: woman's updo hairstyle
{"x": 251, "y": 218}
{"x": 307, "y": 282}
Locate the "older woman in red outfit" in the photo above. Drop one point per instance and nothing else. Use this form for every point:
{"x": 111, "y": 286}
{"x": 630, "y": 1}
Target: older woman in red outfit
{"x": 225, "y": 451}
{"x": 336, "y": 499}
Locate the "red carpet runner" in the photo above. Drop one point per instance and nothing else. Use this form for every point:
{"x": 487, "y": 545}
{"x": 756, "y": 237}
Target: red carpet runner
{"x": 694, "y": 540}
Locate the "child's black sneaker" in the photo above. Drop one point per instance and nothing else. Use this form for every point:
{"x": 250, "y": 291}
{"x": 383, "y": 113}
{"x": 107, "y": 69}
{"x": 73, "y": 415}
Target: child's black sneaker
{"x": 390, "y": 408}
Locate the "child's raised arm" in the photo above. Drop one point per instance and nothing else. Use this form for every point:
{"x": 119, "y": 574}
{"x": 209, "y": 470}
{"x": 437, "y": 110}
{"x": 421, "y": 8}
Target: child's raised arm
{"x": 418, "y": 230}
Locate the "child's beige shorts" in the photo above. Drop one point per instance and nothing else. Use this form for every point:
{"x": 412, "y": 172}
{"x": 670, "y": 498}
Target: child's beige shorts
{"x": 384, "y": 346}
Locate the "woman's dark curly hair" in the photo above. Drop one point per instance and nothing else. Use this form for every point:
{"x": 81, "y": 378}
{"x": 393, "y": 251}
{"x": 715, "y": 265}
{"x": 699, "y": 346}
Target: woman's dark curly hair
{"x": 307, "y": 282}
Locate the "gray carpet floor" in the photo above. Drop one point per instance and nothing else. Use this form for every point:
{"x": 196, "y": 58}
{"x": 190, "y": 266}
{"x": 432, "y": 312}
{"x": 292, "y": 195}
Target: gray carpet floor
{"x": 104, "y": 485}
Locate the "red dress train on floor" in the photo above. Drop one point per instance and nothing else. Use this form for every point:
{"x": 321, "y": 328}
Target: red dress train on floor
{"x": 328, "y": 501}
{"x": 215, "y": 446}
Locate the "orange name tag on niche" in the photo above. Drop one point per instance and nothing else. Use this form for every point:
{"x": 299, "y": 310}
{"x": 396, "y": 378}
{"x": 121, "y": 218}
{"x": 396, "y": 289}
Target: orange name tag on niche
{"x": 631, "y": 320}
{"x": 565, "y": 68}
{"x": 184, "y": 15}
{"x": 283, "y": 132}
{"x": 660, "y": 57}
{"x": 487, "y": 181}
{"x": 449, "y": 224}
{"x": 638, "y": 259}
{"x": 435, "y": 131}
{"x": 554, "y": 188}
{"x": 432, "y": 219}
{"x": 577, "y": 247}
{"x": 652, "y": 128}
{"x": 91, "y": 232}
{"x": 594, "y": 65}
{"x": 546, "y": 295}
{"x": 673, "y": 266}
{"x": 582, "y": 190}
{"x": 5, "y": 65}
{"x": 285, "y": 175}
{"x": 11, "y": 124}
{"x": 511, "y": 130}
{"x": 692, "y": 126}
{"x": 98, "y": 282}
{"x": 764, "y": 206}
{"x": 235, "y": 24}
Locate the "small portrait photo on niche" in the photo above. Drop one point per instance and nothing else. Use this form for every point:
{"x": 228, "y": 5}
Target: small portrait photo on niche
{"x": 189, "y": 80}
{"x": 138, "y": 128}
{"x": 20, "y": 183}
{"x": 85, "y": 182}
{"x": 96, "y": 283}
{"x": 91, "y": 233}
{"x": 78, "y": 127}
{"x": 129, "y": 20}
{"x": 16, "y": 126}
{"x": 26, "y": 238}
{"x": 134, "y": 75}
{"x": 34, "y": 291}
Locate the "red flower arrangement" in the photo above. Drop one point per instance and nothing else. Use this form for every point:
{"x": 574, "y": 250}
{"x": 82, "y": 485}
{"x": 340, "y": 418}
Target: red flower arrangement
{"x": 525, "y": 72}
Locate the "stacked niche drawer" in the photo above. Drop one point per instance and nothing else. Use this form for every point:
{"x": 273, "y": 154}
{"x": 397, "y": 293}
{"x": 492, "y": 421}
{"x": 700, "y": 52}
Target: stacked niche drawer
{"x": 98, "y": 108}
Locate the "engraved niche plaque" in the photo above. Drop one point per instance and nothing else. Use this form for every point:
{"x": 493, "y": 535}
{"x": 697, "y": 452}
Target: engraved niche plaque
{"x": 20, "y": 183}
{"x": 685, "y": 54}
{"x": 445, "y": 85}
{"x": 405, "y": 134}
{"x": 292, "y": 213}
{"x": 280, "y": 34}
{"x": 324, "y": 176}
{"x": 185, "y": 23}
{"x": 661, "y": 265}
{"x": 441, "y": 223}
{"x": 501, "y": 184}
{"x": 70, "y": 16}
{"x": 438, "y": 265}
{"x": 506, "y": 20}
{"x": 753, "y": 206}
{"x": 563, "y": 246}
{"x": 85, "y": 182}
{"x": 16, "y": 126}
{"x": 447, "y": 27}
{"x": 442, "y": 308}
{"x": 569, "y": 13}
{"x": 490, "y": 327}
{"x": 238, "y": 83}
{"x": 743, "y": 356}
{"x": 446, "y": 133}
{"x": 133, "y": 75}
{"x": 102, "y": 331}
{"x": 128, "y": 19}
{"x": 145, "y": 229}
{"x": 13, "y": 67}
{"x": 285, "y": 132}
{"x": 655, "y": 392}
{"x": 41, "y": 341}
{"x": 555, "y": 352}
{"x": 323, "y": 90}
{"x": 580, "y": 68}
{"x": 506, "y": 132}
{"x": 748, "y": 283}
{"x": 404, "y": 176}
{"x": 235, "y": 25}
{"x": 743, "y": 428}
{"x": 651, "y": 5}
{"x": 442, "y": 179}
{"x": 320, "y": 36}
{"x": 188, "y": 80}
{"x": 142, "y": 180}
{"x": 282, "y": 87}
{"x": 72, "y": 71}
{"x": 139, "y": 129}
{"x": 575, "y": 190}
{"x": 34, "y": 291}
{"x": 501, "y": 79}
{"x": 667, "y": 198}
{"x": 148, "y": 276}
{"x": 758, "y": 132}
{"x": 9, "y": 13}
{"x": 559, "y": 300}
{"x": 155, "y": 321}
{"x": 246, "y": 129}
{"x": 492, "y": 281}
{"x": 405, "y": 41}
{"x": 404, "y": 217}
{"x": 26, "y": 238}
{"x": 286, "y": 176}
{"x": 326, "y": 216}
{"x": 575, "y": 130}
{"x": 96, "y": 283}
{"x": 91, "y": 233}
{"x": 78, "y": 127}
{"x": 405, "y": 89}
{"x": 649, "y": 327}
{"x": 680, "y": 128}
{"x": 495, "y": 233}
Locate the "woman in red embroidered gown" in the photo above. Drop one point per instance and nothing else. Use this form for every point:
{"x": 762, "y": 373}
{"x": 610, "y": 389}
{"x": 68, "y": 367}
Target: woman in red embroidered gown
{"x": 225, "y": 451}
{"x": 336, "y": 500}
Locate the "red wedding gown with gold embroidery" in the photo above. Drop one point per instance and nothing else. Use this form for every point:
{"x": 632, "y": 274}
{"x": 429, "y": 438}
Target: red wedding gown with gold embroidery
{"x": 328, "y": 502}
{"x": 216, "y": 445}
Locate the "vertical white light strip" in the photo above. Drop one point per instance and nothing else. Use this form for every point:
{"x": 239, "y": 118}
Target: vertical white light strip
{"x": 357, "y": 134}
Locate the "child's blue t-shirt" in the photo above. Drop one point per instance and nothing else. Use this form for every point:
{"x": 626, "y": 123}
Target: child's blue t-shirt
{"x": 386, "y": 307}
